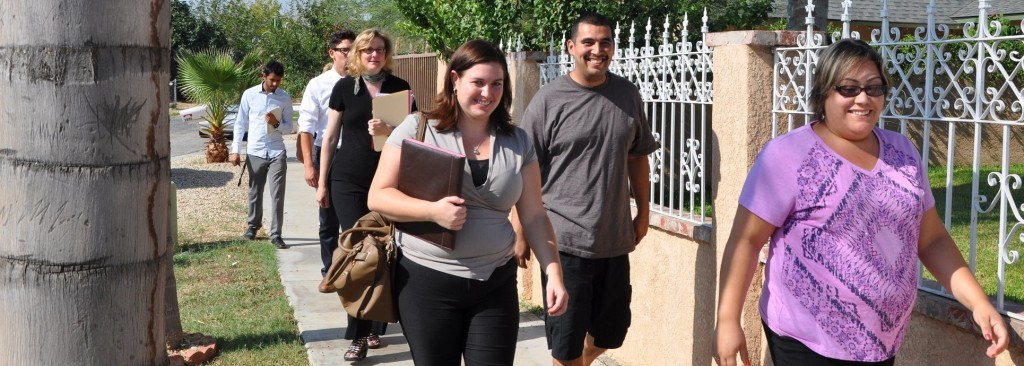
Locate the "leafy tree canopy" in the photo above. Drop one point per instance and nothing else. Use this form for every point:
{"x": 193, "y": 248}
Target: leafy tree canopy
{"x": 191, "y": 33}
{"x": 297, "y": 37}
{"x": 445, "y": 24}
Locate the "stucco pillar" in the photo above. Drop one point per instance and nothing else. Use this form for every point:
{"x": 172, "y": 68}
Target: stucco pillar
{"x": 525, "y": 75}
{"x": 740, "y": 126}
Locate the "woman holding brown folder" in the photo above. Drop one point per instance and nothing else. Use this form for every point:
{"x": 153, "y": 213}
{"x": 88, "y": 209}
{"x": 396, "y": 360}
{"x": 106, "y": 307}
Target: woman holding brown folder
{"x": 461, "y": 304}
{"x": 350, "y": 168}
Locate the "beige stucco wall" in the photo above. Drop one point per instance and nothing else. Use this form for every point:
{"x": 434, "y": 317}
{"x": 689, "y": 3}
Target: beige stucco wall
{"x": 673, "y": 280}
{"x": 741, "y": 126}
{"x": 932, "y": 342}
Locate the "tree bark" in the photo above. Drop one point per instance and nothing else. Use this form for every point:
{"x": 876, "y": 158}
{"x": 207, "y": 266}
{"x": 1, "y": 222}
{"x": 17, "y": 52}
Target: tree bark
{"x": 84, "y": 172}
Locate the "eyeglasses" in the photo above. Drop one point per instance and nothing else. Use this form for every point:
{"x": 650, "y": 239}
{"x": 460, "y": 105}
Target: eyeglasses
{"x": 850, "y": 91}
{"x": 344, "y": 51}
{"x": 370, "y": 51}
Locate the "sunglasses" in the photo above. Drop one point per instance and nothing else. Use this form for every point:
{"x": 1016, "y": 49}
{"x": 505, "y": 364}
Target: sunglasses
{"x": 370, "y": 51}
{"x": 344, "y": 51}
{"x": 853, "y": 91}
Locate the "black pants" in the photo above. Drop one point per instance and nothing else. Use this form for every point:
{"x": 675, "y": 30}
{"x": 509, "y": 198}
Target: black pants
{"x": 787, "y": 351}
{"x": 447, "y": 318}
{"x": 329, "y": 227}
{"x": 349, "y": 206}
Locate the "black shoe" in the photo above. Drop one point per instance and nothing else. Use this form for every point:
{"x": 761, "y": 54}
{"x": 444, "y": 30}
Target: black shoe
{"x": 278, "y": 243}
{"x": 250, "y": 233}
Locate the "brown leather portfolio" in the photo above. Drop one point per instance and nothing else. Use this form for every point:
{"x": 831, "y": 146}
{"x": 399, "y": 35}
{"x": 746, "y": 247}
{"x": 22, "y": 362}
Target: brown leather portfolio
{"x": 429, "y": 173}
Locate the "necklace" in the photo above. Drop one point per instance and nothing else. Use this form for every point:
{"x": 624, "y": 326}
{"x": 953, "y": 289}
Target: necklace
{"x": 476, "y": 149}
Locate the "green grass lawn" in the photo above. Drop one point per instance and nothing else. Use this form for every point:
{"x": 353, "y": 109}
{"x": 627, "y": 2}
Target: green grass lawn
{"x": 988, "y": 227}
{"x": 232, "y": 292}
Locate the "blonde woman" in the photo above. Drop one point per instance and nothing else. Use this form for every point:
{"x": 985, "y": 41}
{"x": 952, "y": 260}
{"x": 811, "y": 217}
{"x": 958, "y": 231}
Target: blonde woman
{"x": 346, "y": 172}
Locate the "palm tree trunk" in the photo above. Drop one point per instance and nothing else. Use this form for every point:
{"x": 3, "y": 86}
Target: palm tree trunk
{"x": 84, "y": 177}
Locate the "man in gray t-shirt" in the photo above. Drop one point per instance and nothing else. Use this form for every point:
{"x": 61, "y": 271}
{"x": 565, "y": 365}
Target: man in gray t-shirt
{"x": 592, "y": 140}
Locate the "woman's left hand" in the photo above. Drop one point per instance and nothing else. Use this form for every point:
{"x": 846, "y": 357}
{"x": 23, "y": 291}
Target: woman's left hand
{"x": 377, "y": 127}
{"x": 558, "y": 298}
{"x": 992, "y": 328}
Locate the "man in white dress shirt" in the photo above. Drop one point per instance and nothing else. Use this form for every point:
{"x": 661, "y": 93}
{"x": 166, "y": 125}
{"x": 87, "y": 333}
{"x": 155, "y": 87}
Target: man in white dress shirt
{"x": 265, "y": 111}
{"x": 313, "y": 122}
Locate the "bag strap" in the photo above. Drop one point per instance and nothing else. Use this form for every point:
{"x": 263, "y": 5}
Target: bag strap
{"x": 421, "y": 130}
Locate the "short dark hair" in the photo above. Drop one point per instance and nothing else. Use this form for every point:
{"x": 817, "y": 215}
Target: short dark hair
{"x": 591, "y": 18}
{"x": 470, "y": 54}
{"x": 341, "y": 35}
{"x": 834, "y": 63}
{"x": 273, "y": 67}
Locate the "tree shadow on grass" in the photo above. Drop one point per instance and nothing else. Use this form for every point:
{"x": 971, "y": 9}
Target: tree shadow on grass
{"x": 186, "y": 178}
{"x": 257, "y": 341}
{"x": 195, "y": 248}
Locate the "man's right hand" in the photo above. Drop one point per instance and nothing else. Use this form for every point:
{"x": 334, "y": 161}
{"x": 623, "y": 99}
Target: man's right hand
{"x": 234, "y": 159}
{"x": 522, "y": 251}
{"x": 298, "y": 151}
{"x": 312, "y": 176}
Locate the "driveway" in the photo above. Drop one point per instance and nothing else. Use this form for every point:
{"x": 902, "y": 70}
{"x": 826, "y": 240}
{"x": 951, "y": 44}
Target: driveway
{"x": 185, "y": 137}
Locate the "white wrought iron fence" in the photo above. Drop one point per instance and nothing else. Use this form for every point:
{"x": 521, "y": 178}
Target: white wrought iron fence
{"x": 957, "y": 93}
{"x": 674, "y": 79}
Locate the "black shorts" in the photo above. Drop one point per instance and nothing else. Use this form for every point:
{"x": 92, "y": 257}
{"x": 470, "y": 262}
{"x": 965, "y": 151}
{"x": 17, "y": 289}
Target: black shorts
{"x": 789, "y": 351}
{"x": 599, "y": 297}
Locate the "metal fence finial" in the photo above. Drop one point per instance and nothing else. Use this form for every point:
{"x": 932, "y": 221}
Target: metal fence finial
{"x": 647, "y": 35}
{"x": 686, "y": 26}
{"x": 809, "y": 19}
{"x": 632, "y": 35}
{"x": 704, "y": 28}
{"x": 846, "y": 18}
{"x": 664, "y": 33}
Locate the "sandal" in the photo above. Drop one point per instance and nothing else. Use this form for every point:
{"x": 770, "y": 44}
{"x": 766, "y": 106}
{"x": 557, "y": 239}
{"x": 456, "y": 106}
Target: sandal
{"x": 356, "y": 351}
{"x": 373, "y": 341}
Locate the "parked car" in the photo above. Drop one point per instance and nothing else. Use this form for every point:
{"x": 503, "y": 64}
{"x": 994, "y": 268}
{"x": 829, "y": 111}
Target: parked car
{"x": 198, "y": 112}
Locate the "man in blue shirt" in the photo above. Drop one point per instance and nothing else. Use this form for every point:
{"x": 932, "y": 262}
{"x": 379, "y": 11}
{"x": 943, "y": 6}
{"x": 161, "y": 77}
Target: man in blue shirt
{"x": 264, "y": 112}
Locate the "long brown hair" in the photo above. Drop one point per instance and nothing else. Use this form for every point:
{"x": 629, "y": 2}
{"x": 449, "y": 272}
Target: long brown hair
{"x": 448, "y": 112}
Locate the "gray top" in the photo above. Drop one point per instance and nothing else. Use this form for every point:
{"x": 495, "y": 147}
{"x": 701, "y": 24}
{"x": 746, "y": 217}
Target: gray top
{"x": 486, "y": 240}
{"x": 583, "y": 137}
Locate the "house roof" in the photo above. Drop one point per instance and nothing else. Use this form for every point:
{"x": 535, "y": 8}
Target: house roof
{"x": 1004, "y": 7}
{"x": 910, "y": 11}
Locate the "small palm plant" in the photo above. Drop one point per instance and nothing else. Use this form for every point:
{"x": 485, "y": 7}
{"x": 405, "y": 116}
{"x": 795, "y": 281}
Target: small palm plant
{"x": 214, "y": 79}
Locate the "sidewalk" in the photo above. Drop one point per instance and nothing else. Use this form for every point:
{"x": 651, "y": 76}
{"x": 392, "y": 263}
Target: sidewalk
{"x": 320, "y": 317}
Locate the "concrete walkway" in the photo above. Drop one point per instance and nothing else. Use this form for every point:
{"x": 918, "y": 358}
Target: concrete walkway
{"x": 320, "y": 317}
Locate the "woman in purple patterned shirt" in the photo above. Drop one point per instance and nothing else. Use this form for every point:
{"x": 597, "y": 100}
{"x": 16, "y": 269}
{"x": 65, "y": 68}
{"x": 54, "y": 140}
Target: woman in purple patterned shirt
{"x": 848, "y": 211}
